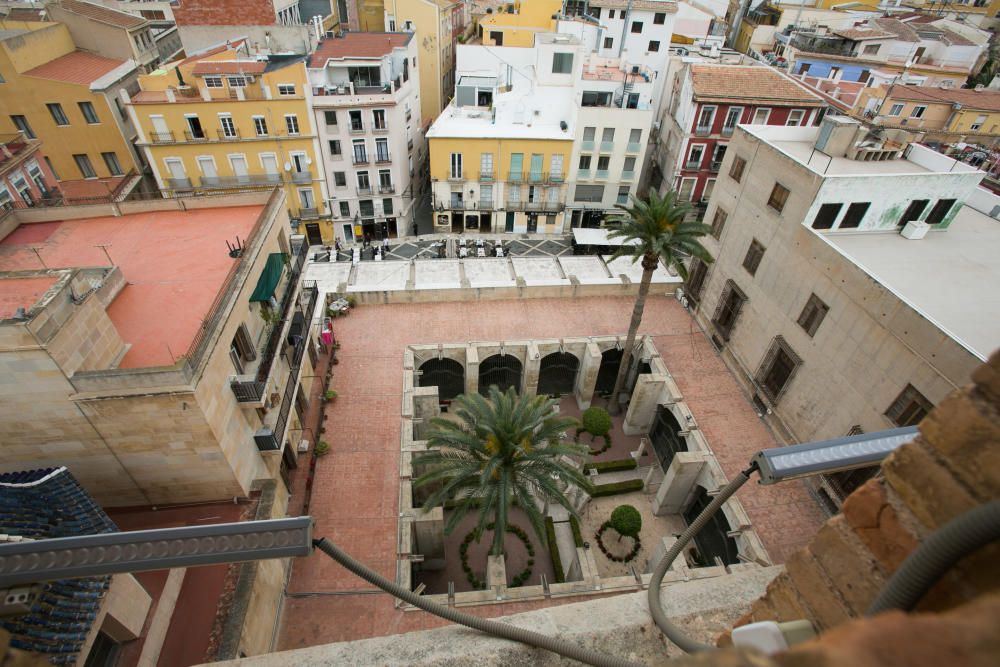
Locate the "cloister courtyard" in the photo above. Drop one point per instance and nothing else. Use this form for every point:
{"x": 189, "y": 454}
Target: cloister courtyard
{"x": 354, "y": 494}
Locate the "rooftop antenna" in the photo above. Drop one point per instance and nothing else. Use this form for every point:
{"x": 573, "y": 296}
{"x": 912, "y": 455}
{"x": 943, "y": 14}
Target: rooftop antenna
{"x": 104, "y": 247}
{"x": 39, "y": 256}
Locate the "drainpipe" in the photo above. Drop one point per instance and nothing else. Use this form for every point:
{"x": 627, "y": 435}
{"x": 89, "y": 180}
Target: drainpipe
{"x": 628, "y": 15}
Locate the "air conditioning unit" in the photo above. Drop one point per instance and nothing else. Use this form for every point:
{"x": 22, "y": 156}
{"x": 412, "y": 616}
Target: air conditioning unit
{"x": 303, "y": 446}
{"x": 914, "y": 230}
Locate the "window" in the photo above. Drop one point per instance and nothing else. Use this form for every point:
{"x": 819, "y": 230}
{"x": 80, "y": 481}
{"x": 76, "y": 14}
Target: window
{"x": 345, "y": 209}
{"x": 696, "y": 279}
{"x": 21, "y": 123}
{"x": 357, "y": 125}
{"x": 611, "y": 14}
{"x": 636, "y": 27}
{"x": 105, "y": 651}
{"x": 556, "y": 167}
{"x": 909, "y": 408}
{"x": 387, "y": 206}
{"x": 979, "y": 123}
{"x": 335, "y": 147}
{"x": 871, "y": 49}
{"x": 913, "y": 211}
{"x": 367, "y": 208}
{"x": 754, "y": 254}
{"x": 795, "y": 117}
{"x": 855, "y": 214}
{"x": 896, "y": 109}
{"x": 595, "y": 12}
{"x": 736, "y": 168}
{"x": 940, "y": 210}
{"x": 589, "y": 193}
{"x": 603, "y": 162}
{"x": 608, "y": 135}
{"x": 363, "y": 182}
{"x": 718, "y": 155}
{"x": 58, "y": 115}
{"x": 654, "y": 46}
{"x": 778, "y": 198}
{"x": 705, "y": 119}
{"x": 659, "y": 18}
{"x": 589, "y": 133}
{"x": 360, "y": 151}
{"x": 726, "y": 313}
{"x": 813, "y": 314}
{"x": 228, "y": 127}
{"x": 834, "y": 71}
{"x": 285, "y": 89}
{"x": 381, "y": 150}
{"x": 584, "y": 162}
{"x": 622, "y": 194}
{"x": 340, "y": 179}
{"x": 486, "y": 165}
{"x": 719, "y": 223}
{"x": 562, "y": 63}
{"x": 918, "y": 111}
{"x": 213, "y": 81}
{"x": 378, "y": 118}
{"x": 827, "y": 216}
{"x": 629, "y": 166}
{"x": 260, "y": 126}
{"x": 237, "y": 81}
{"x": 516, "y": 166}
{"x": 609, "y": 43}
{"x": 292, "y": 123}
{"x": 331, "y": 117}
{"x": 695, "y": 156}
{"x": 777, "y": 369}
{"x": 732, "y": 117}
{"x": 456, "y": 165}
{"x": 111, "y": 161}
{"x": 83, "y": 164}
{"x": 89, "y": 113}
{"x": 760, "y": 116}
{"x": 592, "y": 98}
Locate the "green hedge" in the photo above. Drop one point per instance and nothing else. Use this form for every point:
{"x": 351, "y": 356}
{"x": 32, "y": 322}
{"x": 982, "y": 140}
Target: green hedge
{"x": 602, "y": 490}
{"x": 577, "y": 535}
{"x": 611, "y": 466}
{"x": 550, "y": 536}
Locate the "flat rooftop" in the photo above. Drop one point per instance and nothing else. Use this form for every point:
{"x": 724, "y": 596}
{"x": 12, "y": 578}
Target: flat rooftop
{"x": 950, "y": 276}
{"x": 22, "y": 293}
{"x": 174, "y": 263}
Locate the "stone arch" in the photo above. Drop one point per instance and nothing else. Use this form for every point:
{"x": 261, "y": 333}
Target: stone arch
{"x": 446, "y": 374}
{"x": 557, "y": 373}
{"x": 502, "y": 370}
{"x": 664, "y": 435}
{"x": 713, "y": 540}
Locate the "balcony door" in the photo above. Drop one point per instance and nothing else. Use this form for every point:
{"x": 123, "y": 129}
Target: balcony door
{"x": 208, "y": 172}
{"x": 176, "y": 168}
{"x": 160, "y": 129}
{"x": 240, "y": 170}
{"x": 270, "y": 164}
{"x": 299, "y": 163}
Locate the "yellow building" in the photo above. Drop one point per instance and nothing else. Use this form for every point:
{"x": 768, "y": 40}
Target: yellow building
{"x": 222, "y": 121}
{"x": 943, "y": 115}
{"x": 67, "y": 98}
{"x": 520, "y": 28}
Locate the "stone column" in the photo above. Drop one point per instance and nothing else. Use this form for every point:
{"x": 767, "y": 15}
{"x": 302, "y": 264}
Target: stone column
{"x": 428, "y": 533}
{"x": 678, "y": 481}
{"x": 471, "y": 370}
{"x": 642, "y": 408}
{"x": 496, "y": 574}
{"x": 662, "y": 547}
{"x": 586, "y": 379}
{"x": 426, "y": 406}
{"x": 531, "y": 363}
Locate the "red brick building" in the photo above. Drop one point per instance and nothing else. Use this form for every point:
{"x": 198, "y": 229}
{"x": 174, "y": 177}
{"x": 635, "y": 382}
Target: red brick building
{"x": 708, "y": 102}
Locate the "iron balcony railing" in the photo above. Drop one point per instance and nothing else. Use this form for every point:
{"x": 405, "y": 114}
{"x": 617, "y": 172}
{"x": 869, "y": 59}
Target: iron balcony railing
{"x": 703, "y": 130}
{"x": 692, "y": 164}
{"x": 380, "y": 130}
{"x": 522, "y": 205}
{"x": 365, "y": 191}
{"x": 387, "y": 189}
{"x": 633, "y": 147}
{"x": 357, "y": 129}
{"x": 309, "y": 213}
{"x": 487, "y": 176}
{"x": 250, "y": 389}
{"x": 179, "y": 183}
{"x": 360, "y": 159}
{"x": 456, "y": 175}
{"x": 382, "y": 158}
{"x": 225, "y": 135}
{"x": 537, "y": 177}
{"x": 190, "y": 136}
{"x": 727, "y": 131}
{"x": 715, "y": 165}
{"x": 161, "y": 137}
{"x": 302, "y": 177}
{"x": 515, "y": 177}
{"x": 239, "y": 181}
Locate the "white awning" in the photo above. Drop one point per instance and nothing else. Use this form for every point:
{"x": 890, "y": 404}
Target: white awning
{"x": 590, "y": 236}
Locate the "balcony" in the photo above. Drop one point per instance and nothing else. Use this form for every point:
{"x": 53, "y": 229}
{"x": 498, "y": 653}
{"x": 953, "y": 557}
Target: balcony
{"x": 234, "y": 135}
{"x": 728, "y": 131}
{"x": 409, "y": 144}
{"x": 382, "y": 158}
{"x": 602, "y": 173}
{"x": 715, "y": 165}
{"x": 386, "y": 189}
{"x": 309, "y": 213}
{"x": 179, "y": 183}
{"x": 486, "y": 204}
{"x": 456, "y": 176}
{"x": 380, "y": 130}
{"x": 161, "y": 137}
{"x": 583, "y": 173}
{"x": 628, "y": 175}
{"x": 487, "y": 176}
{"x": 251, "y": 387}
{"x": 703, "y": 130}
{"x": 360, "y": 159}
{"x": 190, "y": 136}
{"x": 633, "y": 147}
{"x": 607, "y": 146}
{"x": 302, "y": 177}
{"x": 556, "y": 178}
{"x": 692, "y": 165}
{"x": 409, "y": 115}
{"x": 537, "y": 177}
{"x": 587, "y": 145}
{"x": 365, "y": 191}
{"x": 357, "y": 129}
{"x": 515, "y": 177}
{"x": 239, "y": 181}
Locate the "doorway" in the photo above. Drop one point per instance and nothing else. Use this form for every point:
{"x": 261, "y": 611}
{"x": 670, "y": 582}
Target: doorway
{"x": 457, "y": 223}
{"x": 509, "y": 223}
{"x": 502, "y": 370}
{"x": 313, "y": 234}
{"x": 532, "y": 223}
{"x": 557, "y": 374}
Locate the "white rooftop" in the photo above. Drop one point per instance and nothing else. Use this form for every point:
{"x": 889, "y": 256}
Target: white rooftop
{"x": 950, "y": 276}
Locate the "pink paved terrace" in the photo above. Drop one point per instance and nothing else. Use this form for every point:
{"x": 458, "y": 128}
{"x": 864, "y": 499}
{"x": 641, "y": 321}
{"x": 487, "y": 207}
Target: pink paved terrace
{"x": 355, "y": 492}
{"x": 22, "y": 293}
{"x": 174, "y": 263}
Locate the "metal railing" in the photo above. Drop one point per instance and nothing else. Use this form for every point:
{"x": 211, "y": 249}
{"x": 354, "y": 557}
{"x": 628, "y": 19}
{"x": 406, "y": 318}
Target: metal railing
{"x": 515, "y": 177}
{"x": 302, "y": 177}
{"x": 587, "y": 145}
{"x": 191, "y": 137}
{"x": 452, "y": 176}
{"x": 382, "y": 158}
{"x": 486, "y": 204}
{"x": 715, "y": 165}
{"x": 161, "y": 137}
{"x": 365, "y": 190}
{"x": 229, "y": 136}
{"x": 487, "y": 176}
{"x": 387, "y": 189}
{"x": 239, "y": 181}
{"x": 179, "y": 183}
{"x": 356, "y": 129}
{"x": 380, "y": 130}
{"x": 703, "y": 130}
{"x": 360, "y": 159}
{"x": 556, "y": 178}
{"x": 692, "y": 164}
{"x": 633, "y": 147}
{"x": 537, "y": 177}
{"x": 728, "y": 131}
{"x": 607, "y": 146}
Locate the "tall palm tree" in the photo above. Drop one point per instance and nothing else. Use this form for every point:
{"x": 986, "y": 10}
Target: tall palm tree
{"x": 506, "y": 449}
{"x": 653, "y": 230}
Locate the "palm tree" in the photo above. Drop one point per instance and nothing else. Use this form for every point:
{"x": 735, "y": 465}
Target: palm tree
{"x": 653, "y": 230}
{"x": 506, "y": 449}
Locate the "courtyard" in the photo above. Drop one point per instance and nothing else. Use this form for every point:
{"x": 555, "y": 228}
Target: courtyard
{"x": 355, "y": 491}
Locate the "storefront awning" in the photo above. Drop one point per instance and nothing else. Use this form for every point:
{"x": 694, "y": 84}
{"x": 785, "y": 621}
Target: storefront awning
{"x": 269, "y": 277}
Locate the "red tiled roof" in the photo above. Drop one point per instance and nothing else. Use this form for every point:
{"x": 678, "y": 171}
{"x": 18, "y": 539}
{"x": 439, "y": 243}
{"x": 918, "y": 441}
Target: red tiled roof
{"x": 980, "y": 100}
{"x": 748, "y": 83}
{"x": 25, "y": 14}
{"x": 103, "y": 14}
{"x": 358, "y": 45}
{"x": 75, "y": 67}
{"x": 649, "y": 5}
{"x": 212, "y": 51}
{"x": 229, "y": 67}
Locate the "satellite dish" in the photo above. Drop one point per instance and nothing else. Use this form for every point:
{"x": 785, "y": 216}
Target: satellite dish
{"x": 288, "y": 166}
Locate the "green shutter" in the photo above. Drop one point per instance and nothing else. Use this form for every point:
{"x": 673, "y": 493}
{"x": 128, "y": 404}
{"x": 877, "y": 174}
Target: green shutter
{"x": 269, "y": 277}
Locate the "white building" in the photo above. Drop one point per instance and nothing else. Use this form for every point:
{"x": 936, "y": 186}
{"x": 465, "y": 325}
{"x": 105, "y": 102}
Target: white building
{"x": 365, "y": 97}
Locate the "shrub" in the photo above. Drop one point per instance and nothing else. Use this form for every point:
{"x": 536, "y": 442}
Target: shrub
{"x": 599, "y": 536}
{"x": 330, "y": 394}
{"x": 550, "y": 537}
{"x": 577, "y": 535}
{"x": 611, "y": 466}
{"x": 614, "y": 489}
{"x": 322, "y": 447}
{"x": 626, "y": 520}
{"x": 596, "y": 421}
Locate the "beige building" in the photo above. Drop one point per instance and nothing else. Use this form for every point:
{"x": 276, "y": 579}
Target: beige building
{"x": 853, "y": 286}
{"x": 141, "y": 353}
{"x": 109, "y": 32}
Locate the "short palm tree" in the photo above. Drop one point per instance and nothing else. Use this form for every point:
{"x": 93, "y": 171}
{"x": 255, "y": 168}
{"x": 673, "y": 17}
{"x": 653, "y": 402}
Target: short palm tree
{"x": 653, "y": 230}
{"x": 506, "y": 449}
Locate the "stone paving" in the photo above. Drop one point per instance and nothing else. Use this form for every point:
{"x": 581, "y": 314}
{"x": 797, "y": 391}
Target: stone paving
{"x": 355, "y": 490}
{"x": 426, "y": 247}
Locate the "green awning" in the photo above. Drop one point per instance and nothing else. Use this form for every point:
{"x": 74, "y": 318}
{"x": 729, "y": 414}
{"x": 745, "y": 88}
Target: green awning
{"x": 269, "y": 278}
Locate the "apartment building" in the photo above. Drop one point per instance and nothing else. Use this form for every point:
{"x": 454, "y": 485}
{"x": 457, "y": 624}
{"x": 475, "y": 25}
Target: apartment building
{"x": 852, "y": 287}
{"x": 499, "y": 153}
{"x": 141, "y": 353}
{"x": 269, "y": 26}
{"x": 438, "y": 25}
{"x": 518, "y": 23}
{"x": 947, "y": 116}
{"x": 112, "y": 33}
{"x": 366, "y": 106}
{"x": 707, "y": 104}
{"x": 25, "y": 177}
{"x": 68, "y": 98}
{"x": 221, "y": 120}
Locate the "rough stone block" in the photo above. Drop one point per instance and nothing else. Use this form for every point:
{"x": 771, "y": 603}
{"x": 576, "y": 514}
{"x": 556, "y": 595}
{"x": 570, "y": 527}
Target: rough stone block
{"x": 928, "y": 489}
{"x": 816, "y": 590}
{"x": 961, "y": 429}
{"x": 878, "y": 525}
{"x": 848, "y": 563}
{"x": 987, "y": 379}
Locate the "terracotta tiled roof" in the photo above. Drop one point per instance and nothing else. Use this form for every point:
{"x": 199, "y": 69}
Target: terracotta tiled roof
{"x": 899, "y": 30}
{"x": 103, "y": 14}
{"x": 75, "y": 67}
{"x": 25, "y": 14}
{"x": 650, "y": 5}
{"x": 928, "y": 31}
{"x": 860, "y": 33}
{"x": 742, "y": 83}
{"x": 229, "y": 67}
{"x": 358, "y": 45}
{"x": 985, "y": 100}
{"x": 212, "y": 51}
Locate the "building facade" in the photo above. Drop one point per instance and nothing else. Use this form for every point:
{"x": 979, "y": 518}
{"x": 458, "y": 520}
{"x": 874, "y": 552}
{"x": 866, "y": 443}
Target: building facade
{"x": 25, "y": 178}
{"x": 112, "y": 33}
{"x": 270, "y": 26}
{"x": 221, "y": 121}
{"x": 959, "y": 115}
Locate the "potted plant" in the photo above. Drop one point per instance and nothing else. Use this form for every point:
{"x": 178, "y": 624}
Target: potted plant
{"x": 329, "y": 394}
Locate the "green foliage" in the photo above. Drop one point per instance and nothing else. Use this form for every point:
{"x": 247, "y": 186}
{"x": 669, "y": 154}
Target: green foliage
{"x": 616, "y": 488}
{"x": 596, "y": 421}
{"x": 330, "y": 394}
{"x": 518, "y": 579}
{"x": 577, "y": 535}
{"x": 626, "y": 520}
{"x": 322, "y": 448}
{"x": 504, "y": 449}
{"x": 611, "y": 466}
{"x": 550, "y": 534}
{"x": 352, "y": 301}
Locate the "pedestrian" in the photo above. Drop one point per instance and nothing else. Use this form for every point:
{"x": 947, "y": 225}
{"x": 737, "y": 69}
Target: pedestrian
{"x": 368, "y": 240}
{"x": 415, "y": 232}
{"x": 385, "y": 243}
